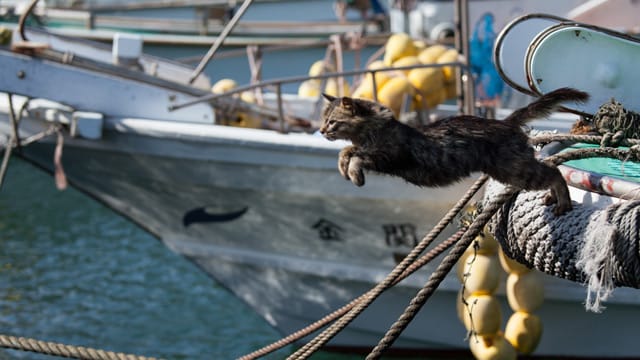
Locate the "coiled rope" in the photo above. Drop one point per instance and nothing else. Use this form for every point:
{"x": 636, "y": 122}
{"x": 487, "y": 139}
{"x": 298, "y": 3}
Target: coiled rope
{"x": 62, "y": 350}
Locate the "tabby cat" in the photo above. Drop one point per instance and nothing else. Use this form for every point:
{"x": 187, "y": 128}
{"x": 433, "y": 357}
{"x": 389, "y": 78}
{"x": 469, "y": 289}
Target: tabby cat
{"x": 447, "y": 150}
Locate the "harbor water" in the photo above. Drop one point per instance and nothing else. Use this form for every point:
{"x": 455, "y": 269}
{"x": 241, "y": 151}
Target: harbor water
{"x": 72, "y": 271}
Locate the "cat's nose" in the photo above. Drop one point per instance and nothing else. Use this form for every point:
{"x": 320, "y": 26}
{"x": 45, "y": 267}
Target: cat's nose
{"x": 322, "y": 130}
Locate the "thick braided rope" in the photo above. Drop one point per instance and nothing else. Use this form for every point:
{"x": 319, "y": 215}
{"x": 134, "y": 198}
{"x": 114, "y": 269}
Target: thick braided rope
{"x": 62, "y": 350}
{"x": 529, "y": 233}
{"x": 324, "y": 337}
{"x": 422, "y": 261}
{"x": 440, "y": 273}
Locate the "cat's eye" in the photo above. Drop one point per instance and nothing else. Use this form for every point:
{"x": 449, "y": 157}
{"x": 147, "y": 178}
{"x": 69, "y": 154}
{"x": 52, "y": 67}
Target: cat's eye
{"x": 331, "y": 122}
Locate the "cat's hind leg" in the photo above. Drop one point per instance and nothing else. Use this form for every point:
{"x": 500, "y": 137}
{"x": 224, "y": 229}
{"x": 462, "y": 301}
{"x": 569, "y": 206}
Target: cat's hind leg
{"x": 541, "y": 176}
{"x": 532, "y": 174}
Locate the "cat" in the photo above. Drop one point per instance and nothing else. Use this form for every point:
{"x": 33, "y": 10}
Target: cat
{"x": 447, "y": 150}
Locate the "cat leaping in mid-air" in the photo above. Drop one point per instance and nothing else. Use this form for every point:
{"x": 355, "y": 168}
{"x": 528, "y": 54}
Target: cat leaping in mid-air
{"x": 447, "y": 150}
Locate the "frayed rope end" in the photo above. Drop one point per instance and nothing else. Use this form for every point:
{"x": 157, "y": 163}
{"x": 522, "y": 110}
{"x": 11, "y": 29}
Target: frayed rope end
{"x": 596, "y": 261}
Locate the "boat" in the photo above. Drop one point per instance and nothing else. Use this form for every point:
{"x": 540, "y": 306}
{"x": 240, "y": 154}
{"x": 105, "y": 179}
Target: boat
{"x": 263, "y": 210}
{"x": 194, "y": 22}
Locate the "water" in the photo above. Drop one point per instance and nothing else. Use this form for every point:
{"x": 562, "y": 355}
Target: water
{"x": 74, "y": 272}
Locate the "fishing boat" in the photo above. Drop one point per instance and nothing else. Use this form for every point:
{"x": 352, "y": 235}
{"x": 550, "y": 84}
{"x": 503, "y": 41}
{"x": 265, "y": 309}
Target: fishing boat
{"x": 263, "y": 210}
{"x": 195, "y": 22}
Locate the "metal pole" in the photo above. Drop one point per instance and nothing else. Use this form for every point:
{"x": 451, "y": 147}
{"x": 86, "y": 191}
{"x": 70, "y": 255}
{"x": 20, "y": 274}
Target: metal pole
{"x": 280, "y": 109}
{"x": 468, "y": 83}
{"x": 466, "y": 98}
{"x": 219, "y": 40}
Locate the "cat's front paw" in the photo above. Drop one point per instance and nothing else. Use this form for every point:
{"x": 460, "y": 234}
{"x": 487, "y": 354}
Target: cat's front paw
{"x": 355, "y": 172}
{"x": 343, "y": 166}
{"x": 343, "y": 161}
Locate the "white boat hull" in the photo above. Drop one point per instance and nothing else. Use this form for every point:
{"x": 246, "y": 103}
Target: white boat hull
{"x": 270, "y": 218}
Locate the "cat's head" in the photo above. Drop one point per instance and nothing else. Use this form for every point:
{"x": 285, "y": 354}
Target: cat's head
{"x": 345, "y": 117}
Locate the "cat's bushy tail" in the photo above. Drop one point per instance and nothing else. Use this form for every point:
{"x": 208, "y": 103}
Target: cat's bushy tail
{"x": 545, "y": 105}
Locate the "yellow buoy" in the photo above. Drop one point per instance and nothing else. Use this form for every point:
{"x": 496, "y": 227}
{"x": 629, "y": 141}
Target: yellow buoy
{"x": 492, "y": 347}
{"x": 435, "y": 98}
{"x": 247, "y": 121}
{"x": 406, "y": 61}
{"x": 451, "y": 55}
{"x": 363, "y": 92}
{"x": 319, "y": 68}
{"x": 523, "y": 331}
{"x": 426, "y": 80}
{"x": 393, "y": 92}
{"x": 525, "y": 292}
{"x": 461, "y": 266}
{"x": 223, "y": 85}
{"x": 451, "y": 90}
{"x": 331, "y": 88}
{"x": 398, "y": 45}
{"x": 309, "y": 88}
{"x": 429, "y": 101}
{"x": 486, "y": 244}
{"x": 431, "y": 54}
{"x": 482, "y": 274}
{"x": 5, "y": 35}
{"x": 381, "y": 77}
{"x": 377, "y": 64}
{"x": 511, "y": 266}
{"x": 419, "y": 45}
{"x": 483, "y": 314}
{"x": 248, "y": 96}
{"x": 461, "y": 308}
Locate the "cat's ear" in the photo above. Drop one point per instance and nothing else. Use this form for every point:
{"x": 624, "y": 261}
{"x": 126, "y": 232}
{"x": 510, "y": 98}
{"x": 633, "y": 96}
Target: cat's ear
{"x": 328, "y": 97}
{"x": 349, "y": 105}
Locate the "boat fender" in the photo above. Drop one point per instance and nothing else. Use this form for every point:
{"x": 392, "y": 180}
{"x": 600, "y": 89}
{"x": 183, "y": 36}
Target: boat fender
{"x": 482, "y": 274}
{"x": 483, "y": 314}
{"x": 523, "y": 331}
{"x": 492, "y": 347}
{"x": 525, "y": 292}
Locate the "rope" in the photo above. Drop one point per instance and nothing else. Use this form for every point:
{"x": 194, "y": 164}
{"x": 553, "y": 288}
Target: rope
{"x": 423, "y": 260}
{"x": 600, "y": 247}
{"x": 315, "y": 344}
{"x": 592, "y": 139}
{"x": 62, "y": 350}
{"x": 440, "y": 273}
{"x": 23, "y": 19}
{"x": 613, "y": 118}
{"x": 620, "y": 154}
